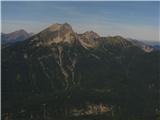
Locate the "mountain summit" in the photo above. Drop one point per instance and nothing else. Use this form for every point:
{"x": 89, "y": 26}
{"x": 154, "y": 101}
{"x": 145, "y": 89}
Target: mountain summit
{"x": 58, "y": 27}
{"x": 91, "y": 35}
{"x": 57, "y": 33}
{"x": 63, "y": 33}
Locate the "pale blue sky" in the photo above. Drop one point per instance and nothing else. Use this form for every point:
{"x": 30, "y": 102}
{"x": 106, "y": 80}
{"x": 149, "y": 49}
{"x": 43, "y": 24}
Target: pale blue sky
{"x": 139, "y": 20}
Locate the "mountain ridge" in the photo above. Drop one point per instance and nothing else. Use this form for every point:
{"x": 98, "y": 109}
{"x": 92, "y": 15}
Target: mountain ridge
{"x": 18, "y": 35}
{"x": 63, "y": 33}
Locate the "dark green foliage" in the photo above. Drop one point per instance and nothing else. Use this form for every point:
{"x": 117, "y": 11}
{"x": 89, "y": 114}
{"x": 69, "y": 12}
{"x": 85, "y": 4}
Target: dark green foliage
{"x": 115, "y": 73}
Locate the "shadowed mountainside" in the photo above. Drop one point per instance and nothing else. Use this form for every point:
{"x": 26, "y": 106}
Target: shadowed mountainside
{"x": 58, "y": 72}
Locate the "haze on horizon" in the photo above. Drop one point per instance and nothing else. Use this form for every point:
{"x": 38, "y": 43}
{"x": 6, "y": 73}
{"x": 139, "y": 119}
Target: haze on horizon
{"x": 137, "y": 20}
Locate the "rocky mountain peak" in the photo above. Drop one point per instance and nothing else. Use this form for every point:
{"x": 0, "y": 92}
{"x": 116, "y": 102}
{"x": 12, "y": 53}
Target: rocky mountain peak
{"x": 91, "y": 34}
{"x": 54, "y": 27}
{"x": 59, "y": 27}
{"x": 63, "y": 33}
{"x": 88, "y": 39}
{"x": 58, "y": 33}
{"x": 19, "y": 32}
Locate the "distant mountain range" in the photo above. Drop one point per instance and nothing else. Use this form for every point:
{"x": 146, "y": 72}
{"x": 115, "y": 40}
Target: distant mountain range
{"x": 142, "y": 45}
{"x": 15, "y": 36}
{"x": 146, "y": 45}
{"x": 21, "y": 35}
{"x": 151, "y": 42}
{"x": 60, "y": 73}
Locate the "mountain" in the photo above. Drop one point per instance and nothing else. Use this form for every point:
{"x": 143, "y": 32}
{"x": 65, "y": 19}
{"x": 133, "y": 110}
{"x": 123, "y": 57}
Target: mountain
{"x": 88, "y": 39}
{"x": 15, "y": 36}
{"x": 57, "y": 33}
{"x": 144, "y": 46}
{"x": 151, "y": 42}
{"x": 58, "y": 73}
